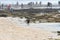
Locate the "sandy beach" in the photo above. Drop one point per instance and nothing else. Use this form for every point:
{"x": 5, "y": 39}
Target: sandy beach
{"x": 10, "y": 31}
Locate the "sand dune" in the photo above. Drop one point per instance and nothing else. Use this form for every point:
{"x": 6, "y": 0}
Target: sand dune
{"x": 10, "y": 31}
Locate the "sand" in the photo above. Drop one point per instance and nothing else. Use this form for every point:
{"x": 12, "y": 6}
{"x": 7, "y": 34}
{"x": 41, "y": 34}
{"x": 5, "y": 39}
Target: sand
{"x": 10, "y": 31}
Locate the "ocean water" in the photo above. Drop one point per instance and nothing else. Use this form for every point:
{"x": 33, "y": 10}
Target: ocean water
{"x": 46, "y": 26}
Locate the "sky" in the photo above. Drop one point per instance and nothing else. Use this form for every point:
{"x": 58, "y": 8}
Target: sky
{"x": 26, "y": 1}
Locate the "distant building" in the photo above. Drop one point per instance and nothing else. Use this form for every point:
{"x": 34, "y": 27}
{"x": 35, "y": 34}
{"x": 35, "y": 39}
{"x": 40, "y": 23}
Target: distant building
{"x": 49, "y": 4}
{"x": 2, "y": 5}
{"x": 40, "y": 3}
{"x": 17, "y": 3}
{"x": 30, "y": 4}
{"x": 59, "y": 2}
{"x": 22, "y": 5}
{"x": 36, "y": 3}
{"x": 33, "y": 5}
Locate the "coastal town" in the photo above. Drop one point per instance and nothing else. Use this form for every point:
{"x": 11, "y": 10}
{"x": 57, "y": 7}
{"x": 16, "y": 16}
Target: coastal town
{"x": 34, "y": 11}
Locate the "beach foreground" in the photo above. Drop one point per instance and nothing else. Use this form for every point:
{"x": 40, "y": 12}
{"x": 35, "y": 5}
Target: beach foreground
{"x": 10, "y": 31}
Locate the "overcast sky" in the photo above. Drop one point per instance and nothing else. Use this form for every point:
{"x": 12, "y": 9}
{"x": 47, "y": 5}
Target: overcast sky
{"x": 26, "y": 1}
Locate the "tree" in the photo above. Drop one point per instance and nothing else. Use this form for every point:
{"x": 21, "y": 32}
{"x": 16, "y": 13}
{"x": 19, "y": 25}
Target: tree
{"x": 22, "y": 5}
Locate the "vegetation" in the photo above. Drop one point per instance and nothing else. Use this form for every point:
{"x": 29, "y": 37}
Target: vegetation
{"x": 41, "y": 17}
